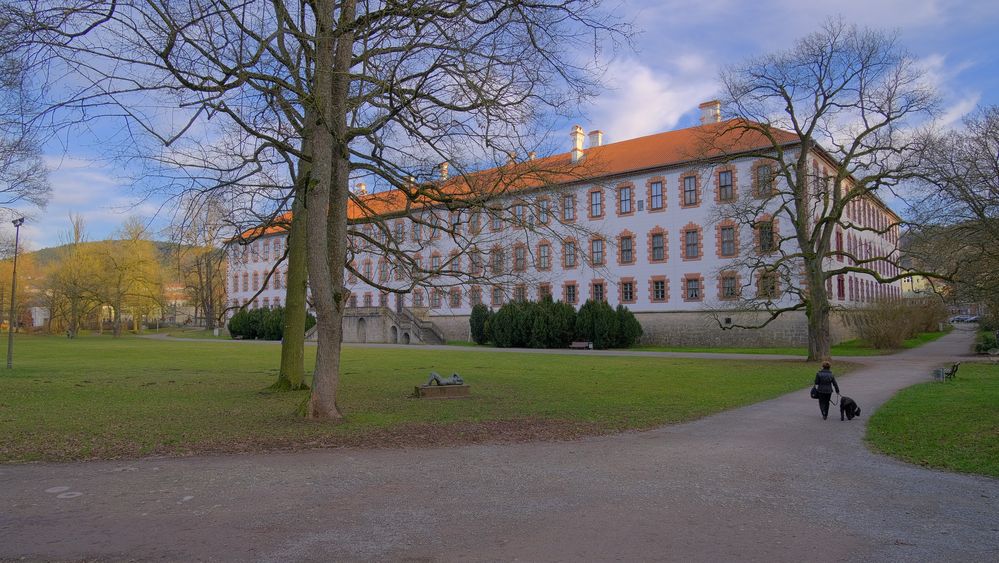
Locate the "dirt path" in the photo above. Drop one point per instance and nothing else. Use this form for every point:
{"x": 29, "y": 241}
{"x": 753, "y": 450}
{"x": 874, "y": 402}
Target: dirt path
{"x": 768, "y": 482}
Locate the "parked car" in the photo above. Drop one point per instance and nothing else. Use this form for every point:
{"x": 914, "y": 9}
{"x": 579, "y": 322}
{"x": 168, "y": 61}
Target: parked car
{"x": 971, "y": 319}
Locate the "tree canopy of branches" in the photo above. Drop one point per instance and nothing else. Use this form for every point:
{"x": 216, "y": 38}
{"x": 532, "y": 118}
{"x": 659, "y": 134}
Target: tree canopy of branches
{"x": 849, "y": 97}
{"x": 23, "y": 177}
{"x": 958, "y": 211}
{"x": 332, "y": 90}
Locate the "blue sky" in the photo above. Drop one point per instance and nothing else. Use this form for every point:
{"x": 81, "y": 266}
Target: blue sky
{"x": 680, "y": 49}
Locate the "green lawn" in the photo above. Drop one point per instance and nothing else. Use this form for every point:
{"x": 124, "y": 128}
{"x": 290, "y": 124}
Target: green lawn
{"x": 848, "y": 348}
{"x": 97, "y": 397}
{"x": 950, "y": 425}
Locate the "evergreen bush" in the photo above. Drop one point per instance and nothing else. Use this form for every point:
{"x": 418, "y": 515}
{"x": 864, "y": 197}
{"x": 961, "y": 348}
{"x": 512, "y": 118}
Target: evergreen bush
{"x": 477, "y": 323}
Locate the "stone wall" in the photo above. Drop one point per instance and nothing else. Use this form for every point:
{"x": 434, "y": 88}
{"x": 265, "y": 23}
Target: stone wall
{"x": 454, "y": 327}
{"x": 701, "y": 329}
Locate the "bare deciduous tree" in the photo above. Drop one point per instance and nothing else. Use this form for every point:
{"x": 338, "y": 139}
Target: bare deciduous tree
{"x": 23, "y": 176}
{"x": 836, "y": 111}
{"x": 351, "y": 88}
{"x": 957, "y": 212}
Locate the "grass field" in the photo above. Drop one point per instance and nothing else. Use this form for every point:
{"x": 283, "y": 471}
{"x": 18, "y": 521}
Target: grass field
{"x": 848, "y": 348}
{"x": 98, "y": 397}
{"x": 950, "y": 425}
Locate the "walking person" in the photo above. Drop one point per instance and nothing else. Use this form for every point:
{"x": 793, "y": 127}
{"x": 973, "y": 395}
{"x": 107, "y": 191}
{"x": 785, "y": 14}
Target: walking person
{"x": 824, "y": 385}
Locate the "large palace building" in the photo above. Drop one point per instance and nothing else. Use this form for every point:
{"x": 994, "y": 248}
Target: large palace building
{"x": 657, "y": 223}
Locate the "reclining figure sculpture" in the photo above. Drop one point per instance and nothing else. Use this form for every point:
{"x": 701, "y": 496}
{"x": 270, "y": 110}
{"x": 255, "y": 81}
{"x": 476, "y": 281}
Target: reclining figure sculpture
{"x": 435, "y": 377}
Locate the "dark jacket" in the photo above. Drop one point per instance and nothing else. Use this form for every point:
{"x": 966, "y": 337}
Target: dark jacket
{"x": 825, "y": 381}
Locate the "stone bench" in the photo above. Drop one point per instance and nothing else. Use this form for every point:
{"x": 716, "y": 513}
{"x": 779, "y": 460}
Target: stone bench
{"x": 581, "y": 346}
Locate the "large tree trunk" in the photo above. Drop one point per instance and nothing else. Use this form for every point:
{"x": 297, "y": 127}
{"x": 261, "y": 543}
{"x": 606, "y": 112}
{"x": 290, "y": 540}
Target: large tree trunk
{"x": 291, "y": 376}
{"x": 818, "y": 312}
{"x": 327, "y": 202}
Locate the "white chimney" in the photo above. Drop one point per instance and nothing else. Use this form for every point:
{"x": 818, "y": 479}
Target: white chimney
{"x": 361, "y": 188}
{"x": 710, "y": 112}
{"x": 596, "y": 138}
{"x": 577, "y": 143}
{"x": 532, "y": 155}
{"x": 443, "y": 171}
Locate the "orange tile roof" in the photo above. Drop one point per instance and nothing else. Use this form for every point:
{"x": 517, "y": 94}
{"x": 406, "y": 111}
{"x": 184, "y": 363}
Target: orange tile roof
{"x": 711, "y": 141}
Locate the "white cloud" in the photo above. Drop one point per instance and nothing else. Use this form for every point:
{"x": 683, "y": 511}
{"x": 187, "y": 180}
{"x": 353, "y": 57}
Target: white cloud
{"x": 643, "y": 101}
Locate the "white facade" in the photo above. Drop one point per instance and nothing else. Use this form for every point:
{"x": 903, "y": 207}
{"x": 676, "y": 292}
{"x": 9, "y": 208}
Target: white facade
{"x": 693, "y": 272}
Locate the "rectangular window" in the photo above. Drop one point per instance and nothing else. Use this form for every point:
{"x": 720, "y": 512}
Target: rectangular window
{"x": 544, "y": 291}
{"x": 455, "y": 297}
{"x": 693, "y": 287}
{"x": 568, "y": 254}
{"x": 568, "y": 207}
{"x": 628, "y": 291}
{"x": 475, "y": 263}
{"x": 497, "y": 295}
{"x": 598, "y": 292}
{"x": 416, "y": 228}
{"x": 435, "y": 263}
{"x": 570, "y": 293}
{"x": 597, "y": 251}
{"x": 519, "y": 258}
{"x": 476, "y": 221}
{"x": 435, "y": 299}
{"x": 383, "y": 273}
{"x": 383, "y": 299}
{"x": 418, "y": 298}
{"x": 764, "y": 180}
{"x": 543, "y": 211}
{"x": 235, "y": 283}
{"x": 544, "y": 257}
{"x": 475, "y": 295}
{"x": 728, "y": 241}
{"x": 497, "y": 261}
{"x": 596, "y": 204}
{"x": 691, "y": 246}
{"x": 367, "y": 299}
{"x": 657, "y": 196}
{"x": 766, "y": 231}
{"x": 627, "y": 250}
{"x": 658, "y": 247}
{"x": 728, "y": 287}
{"x": 768, "y": 285}
{"x": 659, "y": 290}
{"x": 277, "y": 247}
{"x": 518, "y": 213}
{"x": 690, "y": 190}
{"x": 352, "y": 301}
{"x": 624, "y": 198}
{"x": 497, "y": 221}
{"x": 400, "y": 231}
{"x": 520, "y": 293}
{"x": 726, "y": 191}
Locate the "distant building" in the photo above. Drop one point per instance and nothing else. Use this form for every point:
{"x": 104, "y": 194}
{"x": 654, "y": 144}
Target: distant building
{"x": 643, "y": 229}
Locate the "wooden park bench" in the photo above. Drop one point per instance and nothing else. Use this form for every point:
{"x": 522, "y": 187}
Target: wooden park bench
{"x": 581, "y": 346}
{"x": 942, "y": 374}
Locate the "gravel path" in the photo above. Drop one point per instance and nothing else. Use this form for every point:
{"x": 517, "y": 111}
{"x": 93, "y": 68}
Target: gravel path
{"x": 768, "y": 482}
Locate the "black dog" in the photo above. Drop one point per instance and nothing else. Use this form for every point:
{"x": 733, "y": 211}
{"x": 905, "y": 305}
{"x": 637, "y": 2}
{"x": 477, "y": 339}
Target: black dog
{"x": 848, "y": 408}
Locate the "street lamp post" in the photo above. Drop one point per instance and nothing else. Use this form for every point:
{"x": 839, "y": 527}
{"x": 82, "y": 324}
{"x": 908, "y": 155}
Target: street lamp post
{"x": 11, "y": 323}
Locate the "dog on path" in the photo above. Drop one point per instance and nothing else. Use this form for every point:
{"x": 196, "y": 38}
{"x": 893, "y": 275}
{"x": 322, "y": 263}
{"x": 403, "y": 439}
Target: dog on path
{"x": 848, "y": 408}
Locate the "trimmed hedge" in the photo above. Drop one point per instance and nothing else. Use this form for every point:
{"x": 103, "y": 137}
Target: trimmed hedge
{"x": 551, "y": 324}
{"x": 262, "y": 324}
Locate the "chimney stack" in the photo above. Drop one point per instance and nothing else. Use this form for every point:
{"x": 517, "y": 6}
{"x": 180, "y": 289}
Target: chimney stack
{"x": 596, "y": 138}
{"x": 710, "y": 112}
{"x": 443, "y": 170}
{"x": 532, "y": 155}
{"x": 577, "y": 143}
{"x": 361, "y": 188}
